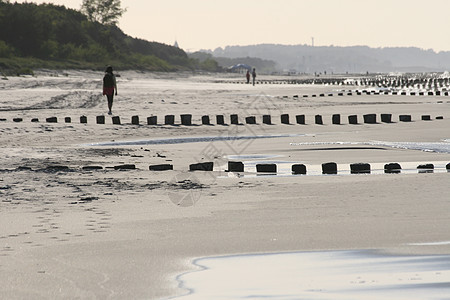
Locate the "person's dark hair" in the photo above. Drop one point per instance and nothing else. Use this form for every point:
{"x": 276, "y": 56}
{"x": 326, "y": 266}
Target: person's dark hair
{"x": 109, "y": 69}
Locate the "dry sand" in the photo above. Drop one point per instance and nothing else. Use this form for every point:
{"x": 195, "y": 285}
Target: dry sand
{"x": 120, "y": 235}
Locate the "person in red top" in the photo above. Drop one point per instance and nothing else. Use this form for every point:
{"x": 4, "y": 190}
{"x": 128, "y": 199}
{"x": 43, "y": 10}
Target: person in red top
{"x": 109, "y": 87}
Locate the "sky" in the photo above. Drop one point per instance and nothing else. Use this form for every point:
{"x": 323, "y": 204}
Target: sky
{"x": 208, "y": 24}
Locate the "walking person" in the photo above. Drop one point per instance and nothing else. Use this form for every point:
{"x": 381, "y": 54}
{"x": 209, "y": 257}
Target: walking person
{"x": 109, "y": 87}
{"x": 248, "y": 76}
{"x": 254, "y": 75}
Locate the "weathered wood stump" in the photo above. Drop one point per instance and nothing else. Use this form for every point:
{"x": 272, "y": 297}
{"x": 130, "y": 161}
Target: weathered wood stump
{"x": 161, "y": 167}
{"x": 152, "y": 120}
{"x": 204, "y": 166}
{"x": 125, "y": 167}
{"x": 329, "y": 168}
{"x": 116, "y": 120}
{"x": 267, "y": 119}
{"x": 300, "y": 119}
{"x": 386, "y": 118}
{"x": 360, "y": 168}
{"x": 298, "y": 169}
{"x": 234, "y": 119}
{"x": 266, "y": 168}
{"x": 370, "y": 118}
{"x": 250, "y": 120}
{"x": 353, "y": 119}
{"x": 393, "y": 168}
{"x": 135, "y": 120}
{"x": 220, "y": 120}
{"x": 169, "y": 120}
{"x": 52, "y": 120}
{"x": 318, "y": 119}
{"x": 404, "y": 118}
{"x": 92, "y": 168}
{"x": 100, "y": 119}
{"x": 336, "y": 119}
{"x": 235, "y": 166}
{"x": 285, "y": 119}
{"x": 186, "y": 119}
{"x": 205, "y": 120}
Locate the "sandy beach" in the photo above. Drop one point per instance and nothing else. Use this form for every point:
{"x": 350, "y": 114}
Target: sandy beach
{"x": 71, "y": 232}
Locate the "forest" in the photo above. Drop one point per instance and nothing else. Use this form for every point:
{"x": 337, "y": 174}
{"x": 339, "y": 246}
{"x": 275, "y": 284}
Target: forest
{"x": 50, "y": 36}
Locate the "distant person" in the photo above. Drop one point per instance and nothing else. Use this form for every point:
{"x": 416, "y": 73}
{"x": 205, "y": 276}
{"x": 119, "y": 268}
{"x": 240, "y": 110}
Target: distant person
{"x": 248, "y": 76}
{"x": 109, "y": 87}
{"x": 254, "y": 75}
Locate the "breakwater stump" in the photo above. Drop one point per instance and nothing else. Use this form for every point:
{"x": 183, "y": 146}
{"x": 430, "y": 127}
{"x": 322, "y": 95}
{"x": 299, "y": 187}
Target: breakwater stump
{"x": 266, "y": 168}
{"x": 298, "y": 169}
{"x": 205, "y": 120}
{"x": 235, "y": 166}
{"x": 152, "y": 120}
{"x": 393, "y": 168}
{"x": 336, "y": 119}
{"x": 386, "y": 118}
{"x": 360, "y": 168}
{"x": 204, "y": 166}
{"x": 300, "y": 119}
{"x": 220, "y": 120}
{"x": 329, "y": 168}
{"x": 100, "y": 119}
{"x": 169, "y": 120}
{"x": 135, "y": 120}
{"x": 353, "y": 119}
{"x": 116, "y": 120}
{"x": 186, "y": 119}
{"x": 161, "y": 167}
{"x": 267, "y": 119}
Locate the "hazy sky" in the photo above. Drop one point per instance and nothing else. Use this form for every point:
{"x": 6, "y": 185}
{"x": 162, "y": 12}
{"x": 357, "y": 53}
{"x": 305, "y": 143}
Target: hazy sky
{"x": 208, "y": 24}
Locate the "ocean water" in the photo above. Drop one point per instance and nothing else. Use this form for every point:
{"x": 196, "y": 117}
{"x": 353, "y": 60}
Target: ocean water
{"x": 440, "y": 147}
{"x": 184, "y": 140}
{"x": 327, "y": 275}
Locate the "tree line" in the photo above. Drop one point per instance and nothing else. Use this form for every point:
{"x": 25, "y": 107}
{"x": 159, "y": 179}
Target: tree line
{"x": 53, "y": 36}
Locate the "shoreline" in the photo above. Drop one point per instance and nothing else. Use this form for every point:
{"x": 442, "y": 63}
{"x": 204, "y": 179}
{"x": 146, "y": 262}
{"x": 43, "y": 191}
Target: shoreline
{"x": 127, "y": 233}
{"x": 318, "y": 275}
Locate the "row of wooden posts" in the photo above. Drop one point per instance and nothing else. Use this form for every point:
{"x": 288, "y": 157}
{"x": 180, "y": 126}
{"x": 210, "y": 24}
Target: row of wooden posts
{"x": 237, "y": 166}
{"x": 373, "y": 92}
{"x": 300, "y": 169}
{"x": 355, "y": 168}
{"x": 386, "y": 82}
{"x": 186, "y": 119}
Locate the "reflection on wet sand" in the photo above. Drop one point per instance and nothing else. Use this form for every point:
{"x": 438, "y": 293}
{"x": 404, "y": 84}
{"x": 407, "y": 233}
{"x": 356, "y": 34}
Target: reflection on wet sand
{"x": 361, "y": 274}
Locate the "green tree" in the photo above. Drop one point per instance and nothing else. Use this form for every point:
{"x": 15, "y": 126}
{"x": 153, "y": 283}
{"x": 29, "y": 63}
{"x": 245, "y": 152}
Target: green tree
{"x": 106, "y": 12}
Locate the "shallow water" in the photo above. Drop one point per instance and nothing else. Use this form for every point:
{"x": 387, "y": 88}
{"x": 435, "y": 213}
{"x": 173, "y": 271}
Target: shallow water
{"x": 252, "y": 156}
{"x": 361, "y": 274}
{"x": 184, "y": 140}
{"x": 440, "y": 147}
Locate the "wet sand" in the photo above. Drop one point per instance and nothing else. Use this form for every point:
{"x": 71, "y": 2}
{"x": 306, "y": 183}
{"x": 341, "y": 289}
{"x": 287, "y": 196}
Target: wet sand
{"x": 330, "y": 275}
{"x": 109, "y": 233}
